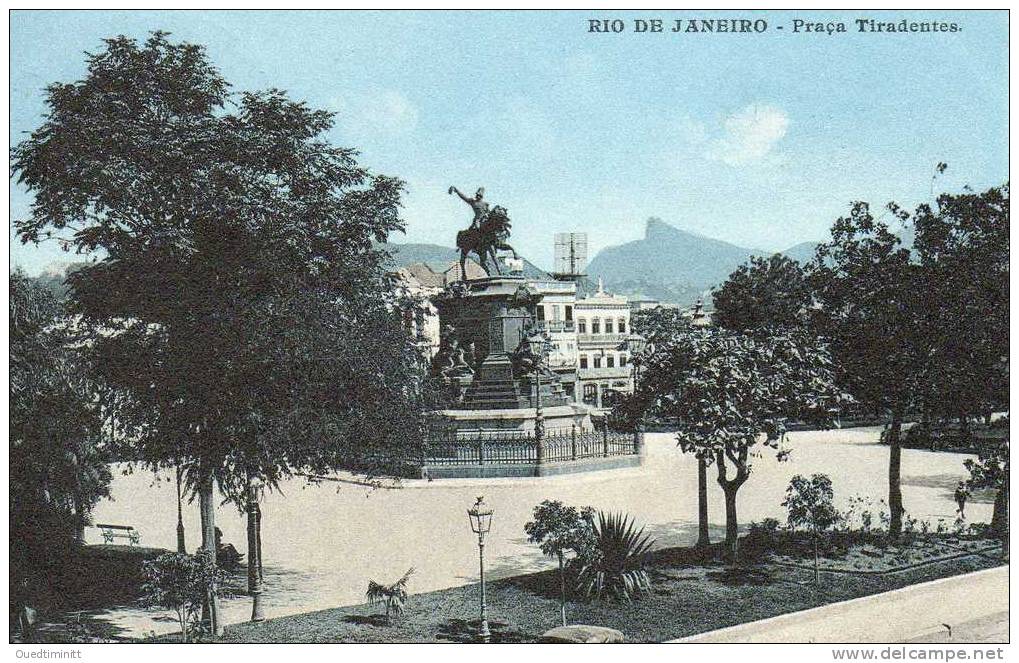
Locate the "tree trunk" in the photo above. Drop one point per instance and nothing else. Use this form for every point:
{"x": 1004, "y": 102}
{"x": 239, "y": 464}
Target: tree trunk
{"x": 80, "y": 518}
{"x": 207, "y": 503}
{"x": 181, "y": 548}
{"x": 999, "y": 517}
{"x": 703, "y": 537}
{"x": 254, "y": 579}
{"x": 731, "y": 523}
{"x": 817, "y": 572}
{"x": 258, "y": 534}
{"x": 562, "y": 589}
{"x": 183, "y": 626}
{"x": 895, "y": 475}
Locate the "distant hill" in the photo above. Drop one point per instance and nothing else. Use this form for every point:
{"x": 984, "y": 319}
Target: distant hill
{"x": 668, "y": 256}
{"x": 675, "y": 266}
{"x": 802, "y": 252}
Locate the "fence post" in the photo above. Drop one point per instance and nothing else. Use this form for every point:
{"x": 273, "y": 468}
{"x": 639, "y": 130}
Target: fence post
{"x": 573, "y": 442}
{"x": 638, "y": 439}
{"x": 481, "y": 449}
{"x": 605, "y": 439}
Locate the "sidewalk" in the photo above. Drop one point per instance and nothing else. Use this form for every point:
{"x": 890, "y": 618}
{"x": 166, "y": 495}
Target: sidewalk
{"x": 975, "y": 605}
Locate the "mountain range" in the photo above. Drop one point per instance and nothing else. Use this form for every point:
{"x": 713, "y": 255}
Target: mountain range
{"x": 671, "y": 265}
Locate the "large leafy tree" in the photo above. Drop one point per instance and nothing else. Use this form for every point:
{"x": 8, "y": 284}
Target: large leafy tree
{"x": 866, "y": 293}
{"x": 962, "y": 245}
{"x": 732, "y": 396}
{"x": 57, "y": 459}
{"x": 764, "y": 293}
{"x": 239, "y": 309}
{"x": 658, "y": 324}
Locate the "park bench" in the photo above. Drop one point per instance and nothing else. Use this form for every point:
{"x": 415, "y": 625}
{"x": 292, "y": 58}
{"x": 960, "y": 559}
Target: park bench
{"x": 111, "y": 532}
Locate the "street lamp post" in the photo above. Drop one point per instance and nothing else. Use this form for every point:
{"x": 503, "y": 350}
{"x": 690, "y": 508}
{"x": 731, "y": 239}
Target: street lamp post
{"x": 636, "y": 345}
{"x": 539, "y": 344}
{"x": 480, "y": 516}
{"x": 254, "y": 551}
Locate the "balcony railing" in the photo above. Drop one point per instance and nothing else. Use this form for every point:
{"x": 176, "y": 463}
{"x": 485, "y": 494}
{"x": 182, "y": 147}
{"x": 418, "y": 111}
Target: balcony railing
{"x": 604, "y": 373}
{"x": 601, "y": 338}
{"x": 556, "y": 325}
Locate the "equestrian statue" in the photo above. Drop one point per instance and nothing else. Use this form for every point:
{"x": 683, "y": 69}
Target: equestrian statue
{"x": 487, "y": 233}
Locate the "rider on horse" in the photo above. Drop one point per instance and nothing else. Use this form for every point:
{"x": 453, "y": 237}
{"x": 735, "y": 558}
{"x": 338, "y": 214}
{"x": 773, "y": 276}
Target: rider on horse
{"x": 477, "y": 203}
{"x": 488, "y": 232}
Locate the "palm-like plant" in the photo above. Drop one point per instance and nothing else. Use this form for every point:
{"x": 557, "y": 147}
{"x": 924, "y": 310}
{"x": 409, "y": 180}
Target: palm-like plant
{"x": 615, "y": 566}
{"x": 394, "y": 596}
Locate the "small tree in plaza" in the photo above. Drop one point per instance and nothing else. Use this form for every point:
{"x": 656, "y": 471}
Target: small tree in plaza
{"x": 181, "y": 582}
{"x": 559, "y": 530}
{"x": 811, "y": 504}
{"x": 732, "y": 395}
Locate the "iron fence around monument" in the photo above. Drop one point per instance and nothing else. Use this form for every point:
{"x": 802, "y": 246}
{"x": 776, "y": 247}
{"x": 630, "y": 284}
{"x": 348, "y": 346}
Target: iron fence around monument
{"x": 524, "y": 448}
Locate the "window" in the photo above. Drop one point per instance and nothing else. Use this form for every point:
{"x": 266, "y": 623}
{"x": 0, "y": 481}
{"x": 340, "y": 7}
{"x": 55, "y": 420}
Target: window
{"x": 555, "y": 313}
{"x": 608, "y": 326}
{"x": 583, "y": 361}
{"x": 597, "y": 362}
{"x": 569, "y": 313}
{"x": 590, "y": 393}
{"x": 610, "y": 362}
{"x": 581, "y": 326}
{"x": 622, "y": 360}
{"x": 540, "y": 311}
{"x": 622, "y": 326}
{"x": 595, "y": 326}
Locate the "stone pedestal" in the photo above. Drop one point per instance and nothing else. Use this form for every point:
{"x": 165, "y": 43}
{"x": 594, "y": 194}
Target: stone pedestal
{"x": 487, "y": 317}
{"x": 520, "y": 420}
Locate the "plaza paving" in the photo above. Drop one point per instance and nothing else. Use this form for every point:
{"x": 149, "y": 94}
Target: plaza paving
{"x": 322, "y": 542}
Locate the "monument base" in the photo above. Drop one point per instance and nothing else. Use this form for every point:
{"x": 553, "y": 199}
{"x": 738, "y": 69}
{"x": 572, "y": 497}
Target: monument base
{"x": 557, "y": 418}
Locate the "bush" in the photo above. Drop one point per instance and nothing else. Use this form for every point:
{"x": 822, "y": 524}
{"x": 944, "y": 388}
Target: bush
{"x": 999, "y": 424}
{"x": 182, "y": 582}
{"x": 762, "y": 538}
{"x": 616, "y": 564}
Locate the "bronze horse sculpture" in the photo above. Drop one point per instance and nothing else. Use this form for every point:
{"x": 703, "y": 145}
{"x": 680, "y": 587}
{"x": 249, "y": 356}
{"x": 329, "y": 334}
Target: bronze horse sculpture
{"x": 485, "y": 240}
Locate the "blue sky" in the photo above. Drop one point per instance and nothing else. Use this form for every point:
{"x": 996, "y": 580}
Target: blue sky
{"x": 761, "y": 140}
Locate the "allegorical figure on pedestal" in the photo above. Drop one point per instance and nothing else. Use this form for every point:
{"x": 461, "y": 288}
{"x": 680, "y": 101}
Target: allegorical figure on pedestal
{"x": 488, "y": 232}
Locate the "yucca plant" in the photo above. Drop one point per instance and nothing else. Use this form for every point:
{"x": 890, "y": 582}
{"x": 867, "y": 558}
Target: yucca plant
{"x": 393, "y": 596}
{"x": 615, "y": 566}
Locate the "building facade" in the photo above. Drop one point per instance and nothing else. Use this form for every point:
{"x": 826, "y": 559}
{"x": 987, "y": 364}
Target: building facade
{"x": 603, "y": 369}
{"x": 555, "y": 314}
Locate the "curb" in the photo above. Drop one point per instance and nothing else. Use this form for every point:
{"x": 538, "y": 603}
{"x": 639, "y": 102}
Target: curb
{"x": 883, "y": 617}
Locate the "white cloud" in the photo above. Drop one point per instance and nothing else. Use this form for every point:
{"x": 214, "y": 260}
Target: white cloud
{"x": 749, "y": 135}
{"x": 382, "y": 112}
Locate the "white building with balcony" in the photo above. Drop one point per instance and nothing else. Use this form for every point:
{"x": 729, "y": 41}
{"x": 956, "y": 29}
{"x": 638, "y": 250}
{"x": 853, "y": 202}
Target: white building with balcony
{"x": 603, "y": 370}
{"x": 555, "y": 314}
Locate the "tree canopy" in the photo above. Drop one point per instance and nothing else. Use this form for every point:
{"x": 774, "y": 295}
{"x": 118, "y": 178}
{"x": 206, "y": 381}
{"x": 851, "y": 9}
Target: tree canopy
{"x": 764, "y": 293}
{"x": 236, "y": 300}
{"x": 732, "y": 394}
{"x": 962, "y": 246}
{"x": 57, "y": 458}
